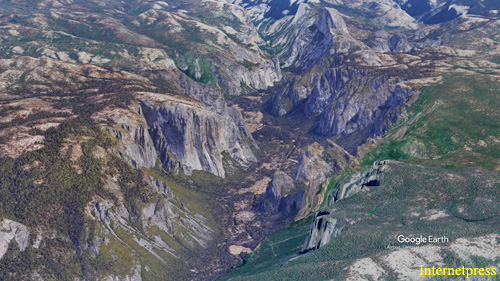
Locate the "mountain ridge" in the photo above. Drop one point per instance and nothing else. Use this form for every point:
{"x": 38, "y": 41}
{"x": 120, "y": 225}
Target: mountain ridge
{"x": 136, "y": 135}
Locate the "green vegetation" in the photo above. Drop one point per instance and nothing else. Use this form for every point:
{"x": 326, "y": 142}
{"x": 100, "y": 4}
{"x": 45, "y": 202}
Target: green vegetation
{"x": 274, "y": 251}
{"x": 387, "y": 150}
{"x": 394, "y": 202}
{"x": 195, "y": 191}
{"x": 57, "y": 203}
{"x": 210, "y": 16}
{"x": 454, "y": 124}
{"x": 199, "y": 69}
{"x": 45, "y": 189}
{"x": 15, "y": 264}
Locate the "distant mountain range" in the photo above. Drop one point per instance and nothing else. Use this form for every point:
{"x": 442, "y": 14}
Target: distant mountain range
{"x": 247, "y": 139}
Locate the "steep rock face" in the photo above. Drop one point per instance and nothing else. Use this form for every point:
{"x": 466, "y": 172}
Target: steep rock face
{"x": 316, "y": 39}
{"x": 131, "y": 130}
{"x": 282, "y": 197}
{"x": 243, "y": 66}
{"x": 237, "y": 78}
{"x": 145, "y": 229}
{"x": 160, "y": 213}
{"x": 320, "y": 33}
{"x": 324, "y": 228}
{"x": 398, "y": 43}
{"x": 189, "y": 133}
{"x": 11, "y": 230}
{"x": 338, "y": 157}
{"x": 397, "y": 199}
{"x": 345, "y": 101}
{"x": 317, "y": 165}
{"x": 303, "y": 31}
{"x": 237, "y": 71}
{"x": 369, "y": 108}
{"x": 300, "y": 195}
{"x": 379, "y": 45}
{"x": 359, "y": 182}
{"x": 311, "y": 166}
{"x": 313, "y": 171}
{"x": 176, "y": 221}
{"x": 213, "y": 98}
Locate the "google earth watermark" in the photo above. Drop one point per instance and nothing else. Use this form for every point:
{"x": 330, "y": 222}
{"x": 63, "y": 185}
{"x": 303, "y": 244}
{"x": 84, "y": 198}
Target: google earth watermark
{"x": 421, "y": 241}
{"x": 438, "y": 242}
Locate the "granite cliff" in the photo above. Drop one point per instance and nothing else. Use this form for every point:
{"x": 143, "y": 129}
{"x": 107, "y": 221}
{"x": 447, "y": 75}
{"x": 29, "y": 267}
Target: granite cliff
{"x": 164, "y": 140}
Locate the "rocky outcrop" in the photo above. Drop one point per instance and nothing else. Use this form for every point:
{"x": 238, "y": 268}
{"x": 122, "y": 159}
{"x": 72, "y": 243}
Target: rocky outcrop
{"x": 131, "y": 130}
{"x": 176, "y": 221}
{"x": 180, "y": 83}
{"x": 317, "y": 167}
{"x": 346, "y": 102}
{"x": 379, "y": 45}
{"x": 160, "y": 213}
{"x": 264, "y": 9}
{"x": 282, "y": 198}
{"x": 311, "y": 165}
{"x": 236, "y": 65}
{"x": 359, "y": 182}
{"x": 148, "y": 230}
{"x": 386, "y": 12}
{"x": 189, "y": 133}
{"x": 312, "y": 170}
{"x": 315, "y": 40}
{"x": 299, "y": 196}
{"x": 193, "y": 128}
{"x": 326, "y": 227}
{"x": 11, "y": 230}
{"x": 323, "y": 230}
{"x": 398, "y": 44}
{"x": 248, "y": 75}
{"x": 302, "y": 31}
{"x": 339, "y": 158}
{"x": 365, "y": 107}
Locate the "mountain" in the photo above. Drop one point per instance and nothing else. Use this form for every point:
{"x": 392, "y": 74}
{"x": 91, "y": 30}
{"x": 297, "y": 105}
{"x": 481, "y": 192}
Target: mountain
{"x": 245, "y": 139}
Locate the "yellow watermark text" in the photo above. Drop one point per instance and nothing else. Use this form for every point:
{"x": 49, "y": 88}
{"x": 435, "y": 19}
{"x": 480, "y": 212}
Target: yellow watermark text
{"x": 465, "y": 271}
